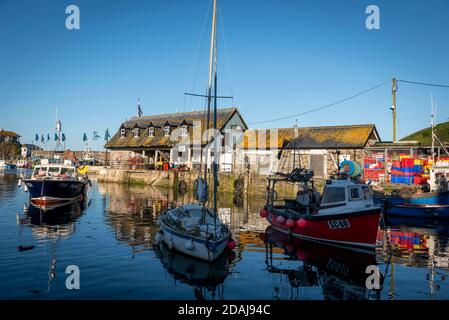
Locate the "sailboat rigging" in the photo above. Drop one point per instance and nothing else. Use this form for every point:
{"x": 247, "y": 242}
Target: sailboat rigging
{"x": 193, "y": 229}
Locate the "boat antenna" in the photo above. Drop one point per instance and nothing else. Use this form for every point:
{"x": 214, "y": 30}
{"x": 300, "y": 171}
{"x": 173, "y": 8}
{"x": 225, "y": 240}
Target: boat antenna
{"x": 58, "y": 129}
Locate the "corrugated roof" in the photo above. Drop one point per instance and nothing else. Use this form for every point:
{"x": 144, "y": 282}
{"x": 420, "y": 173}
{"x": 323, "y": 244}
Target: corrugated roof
{"x": 161, "y": 120}
{"x": 324, "y": 137}
{"x": 8, "y": 133}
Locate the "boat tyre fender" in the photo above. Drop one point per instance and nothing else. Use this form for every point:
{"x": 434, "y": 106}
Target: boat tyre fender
{"x": 238, "y": 201}
{"x": 239, "y": 183}
{"x": 182, "y": 185}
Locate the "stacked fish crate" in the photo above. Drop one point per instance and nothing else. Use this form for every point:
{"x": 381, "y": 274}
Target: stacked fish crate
{"x": 374, "y": 167}
{"x": 408, "y": 170}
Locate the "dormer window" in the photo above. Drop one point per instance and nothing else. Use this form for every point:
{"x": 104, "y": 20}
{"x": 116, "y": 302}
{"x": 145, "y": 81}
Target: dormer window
{"x": 184, "y": 131}
{"x": 151, "y": 131}
{"x": 136, "y": 132}
{"x": 122, "y": 132}
{"x": 167, "y": 131}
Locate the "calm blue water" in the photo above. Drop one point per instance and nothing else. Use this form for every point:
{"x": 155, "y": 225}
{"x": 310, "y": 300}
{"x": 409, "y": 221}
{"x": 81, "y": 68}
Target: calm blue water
{"x": 110, "y": 239}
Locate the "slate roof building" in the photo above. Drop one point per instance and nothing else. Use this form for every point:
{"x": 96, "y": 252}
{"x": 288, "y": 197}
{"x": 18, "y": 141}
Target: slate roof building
{"x": 318, "y": 148}
{"x": 9, "y": 136}
{"x": 176, "y": 138}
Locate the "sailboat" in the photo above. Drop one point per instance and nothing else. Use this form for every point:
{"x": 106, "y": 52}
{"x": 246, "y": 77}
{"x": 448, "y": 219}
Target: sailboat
{"x": 195, "y": 229}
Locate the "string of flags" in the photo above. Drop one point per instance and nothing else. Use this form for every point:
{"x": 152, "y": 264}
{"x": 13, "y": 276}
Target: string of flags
{"x": 44, "y": 140}
{"x": 96, "y": 136}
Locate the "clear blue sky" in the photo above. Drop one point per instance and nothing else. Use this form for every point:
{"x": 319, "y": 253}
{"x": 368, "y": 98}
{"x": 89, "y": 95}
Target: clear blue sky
{"x": 283, "y": 57}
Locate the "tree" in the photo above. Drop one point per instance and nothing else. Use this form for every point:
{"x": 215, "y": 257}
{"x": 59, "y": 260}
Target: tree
{"x": 9, "y": 150}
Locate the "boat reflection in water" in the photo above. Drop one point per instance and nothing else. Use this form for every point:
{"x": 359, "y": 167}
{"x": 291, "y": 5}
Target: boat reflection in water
{"x": 53, "y": 221}
{"x": 340, "y": 272}
{"x": 206, "y": 278}
{"x": 51, "y": 224}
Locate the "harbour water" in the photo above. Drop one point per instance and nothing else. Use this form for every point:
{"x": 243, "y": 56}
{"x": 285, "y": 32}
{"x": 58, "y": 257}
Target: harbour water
{"x": 110, "y": 239}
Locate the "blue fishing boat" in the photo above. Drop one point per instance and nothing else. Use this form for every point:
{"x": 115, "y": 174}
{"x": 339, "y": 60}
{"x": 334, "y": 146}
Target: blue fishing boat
{"x": 416, "y": 210}
{"x": 53, "y": 183}
{"x": 6, "y": 165}
{"x": 434, "y": 204}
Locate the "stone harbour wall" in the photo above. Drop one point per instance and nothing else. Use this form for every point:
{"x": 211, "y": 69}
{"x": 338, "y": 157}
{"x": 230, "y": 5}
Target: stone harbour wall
{"x": 253, "y": 184}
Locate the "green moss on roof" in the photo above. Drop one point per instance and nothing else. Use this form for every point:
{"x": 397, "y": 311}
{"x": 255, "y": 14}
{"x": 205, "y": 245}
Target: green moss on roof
{"x": 8, "y": 133}
{"x": 324, "y": 137}
{"x": 159, "y": 121}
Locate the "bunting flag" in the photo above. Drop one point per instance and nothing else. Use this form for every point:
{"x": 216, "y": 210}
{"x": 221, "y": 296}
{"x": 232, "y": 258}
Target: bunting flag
{"x": 48, "y": 137}
{"x": 139, "y": 109}
{"x": 42, "y": 138}
{"x": 107, "y": 136}
{"x": 36, "y": 137}
{"x": 84, "y": 137}
{"x": 56, "y": 137}
{"x": 63, "y": 137}
{"x": 95, "y": 135}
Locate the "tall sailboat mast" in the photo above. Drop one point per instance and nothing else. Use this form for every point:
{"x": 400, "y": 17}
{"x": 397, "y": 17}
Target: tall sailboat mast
{"x": 212, "y": 62}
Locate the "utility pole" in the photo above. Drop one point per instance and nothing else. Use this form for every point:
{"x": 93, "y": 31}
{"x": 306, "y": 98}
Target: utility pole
{"x": 432, "y": 125}
{"x": 295, "y": 132}
{"x": 394, "y": 88}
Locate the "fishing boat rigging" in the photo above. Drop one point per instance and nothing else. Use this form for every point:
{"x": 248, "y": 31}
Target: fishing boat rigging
{"x": 344, "y": 215}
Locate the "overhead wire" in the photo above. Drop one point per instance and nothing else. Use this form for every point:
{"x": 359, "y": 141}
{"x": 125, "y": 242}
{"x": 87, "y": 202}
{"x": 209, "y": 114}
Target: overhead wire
{"x": 325, "y": 106}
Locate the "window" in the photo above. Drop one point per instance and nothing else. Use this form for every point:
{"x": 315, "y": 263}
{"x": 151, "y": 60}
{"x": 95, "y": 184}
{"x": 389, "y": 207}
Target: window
{"x": 334, "y": 194}
{"x": 354, "y": 194}
{"x": 317, "y": 165}
{"x": 40, "y": 171}
{"x": 122, "y": 132}
{"x": 136, "y": 132}
{"x": 151, "y": 131}
{"x": 167, "y": 131}
{"x": 366, "y": 193}
{"x": 67, "y": 171}
{"x": 184, "y": 131}
{"x": 53, "y": 171}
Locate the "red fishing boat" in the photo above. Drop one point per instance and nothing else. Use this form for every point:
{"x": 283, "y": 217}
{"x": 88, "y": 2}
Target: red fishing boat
{"x": 344, "y": 215}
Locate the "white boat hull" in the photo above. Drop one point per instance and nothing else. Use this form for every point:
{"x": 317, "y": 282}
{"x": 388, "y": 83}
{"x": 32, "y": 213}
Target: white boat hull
{"x": 193, "y": 246}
